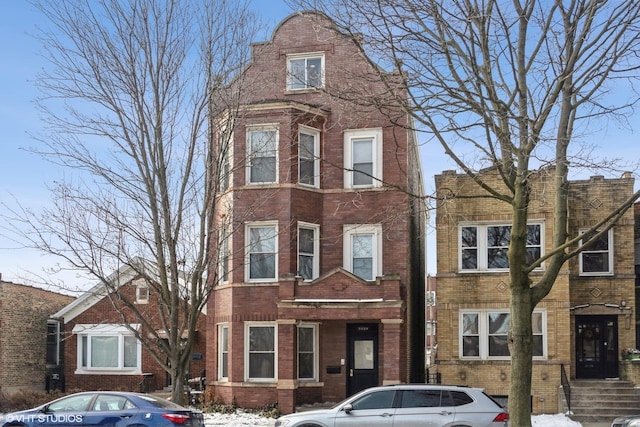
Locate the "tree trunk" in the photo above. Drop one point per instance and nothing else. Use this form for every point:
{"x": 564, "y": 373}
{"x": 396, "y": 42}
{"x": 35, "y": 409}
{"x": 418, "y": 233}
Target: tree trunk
{"x": 178, "y": 389}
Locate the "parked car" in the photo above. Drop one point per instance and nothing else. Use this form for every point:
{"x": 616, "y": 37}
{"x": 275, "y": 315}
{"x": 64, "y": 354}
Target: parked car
{"x": 630, "y": 421}
{"x": 407, "y": 405}
{"x": 102, "y": 408}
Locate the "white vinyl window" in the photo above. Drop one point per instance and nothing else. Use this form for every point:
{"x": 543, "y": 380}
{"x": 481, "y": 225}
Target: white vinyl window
{"x": 104, "y": 348}
{"x": 362, "y": 250}
{"x": 223, "y": 352}
{"x": 483, "y": 334}
{"x": 363, "y": 158}
{"x": 260, "y": 352}
{"x": 309, "y": 156}
{"x": 308, "y": 352}
{"x": 142, "y": 291}
{"x": 597, "y": 258}
{"x": 483, "y": 247}
{"x": 262, "y": 148}
{"x": 261, "y": 241}
{"x": 308, "y": 250}
{"x": 305, "y": 71}
{"x": 224, "y": 253}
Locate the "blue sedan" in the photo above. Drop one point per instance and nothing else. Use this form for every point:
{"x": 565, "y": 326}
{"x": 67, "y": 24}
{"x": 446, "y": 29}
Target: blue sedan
{"x": 105, "y": 408}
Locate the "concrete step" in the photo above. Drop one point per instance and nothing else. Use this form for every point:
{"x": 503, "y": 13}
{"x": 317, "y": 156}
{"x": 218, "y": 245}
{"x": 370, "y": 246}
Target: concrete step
{"x": 600, "y": 401}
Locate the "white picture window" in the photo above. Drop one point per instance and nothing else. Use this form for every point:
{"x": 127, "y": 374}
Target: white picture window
{"x": 305, "y": 71}
{"x": 309, "y": 156}
{"x": 260, "y": 352}
{"x": 483, "y": 247}
{"x": 363, "y": 158}
{"x": 596, "y": 259}
{"x": 483, "y": 334}
{"x": 308, "y": 352}
{"x": 262, "y": 148}
{"x": 262, "y": 252}
{"x": 308, "y": 250}
{"x": 362, "y": 250}
{"x": 223, "y": 352}
{"x": 108, "y": 349}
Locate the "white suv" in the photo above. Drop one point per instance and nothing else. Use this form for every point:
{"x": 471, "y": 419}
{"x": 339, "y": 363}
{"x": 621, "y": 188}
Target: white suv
{"x": 406, "y": 405}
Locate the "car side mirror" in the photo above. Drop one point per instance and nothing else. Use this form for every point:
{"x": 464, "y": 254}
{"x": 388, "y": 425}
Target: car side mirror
{"x": 347, "y": 408}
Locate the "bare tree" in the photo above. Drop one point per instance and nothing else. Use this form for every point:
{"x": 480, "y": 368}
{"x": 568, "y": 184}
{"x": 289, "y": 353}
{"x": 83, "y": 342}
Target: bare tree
{"x": 127, "y": 98}
{"x": 510, "y": 85}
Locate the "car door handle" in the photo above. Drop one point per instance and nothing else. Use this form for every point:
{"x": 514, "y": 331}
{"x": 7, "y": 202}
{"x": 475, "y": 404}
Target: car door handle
{"x": 126, "y": 415}
{"x": 446, "y": 413}
{"x": 386, "y": 414}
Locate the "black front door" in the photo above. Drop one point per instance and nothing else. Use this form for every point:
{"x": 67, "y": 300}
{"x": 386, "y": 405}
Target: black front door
{"x": 362, "y": 370}
{"x": 596, "y": 347}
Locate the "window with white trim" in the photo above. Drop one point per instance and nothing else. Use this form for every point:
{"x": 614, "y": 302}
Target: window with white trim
{"x": 261, "y": 241}
{"x": 308, "y": 250}
{"x": 53, "y": 343}
{"x": 260, "y": 351}
{"x": 105, "y": 348}
{"x": 223, "y": 352}
{"x": 305, "y": 71}
{"x": 308, "y": 156}
{"x": 262, "y": 149}
{"x": 597, "y": 258}
{"x": 142, "y": 291}
{"x": 307, "y": 352}
{"x": 362, "y": 250}
{"x": 483, "y": 334}
{"x": 363, "y": 158}
{"x": 224, "y": 253}
{"x": 483, "y": 247}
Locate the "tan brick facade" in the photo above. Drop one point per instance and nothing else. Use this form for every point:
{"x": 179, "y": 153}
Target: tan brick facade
{"x": 389, "y": 309}
{"x": 574, "y": 295}
{"x": 24, "y": 311}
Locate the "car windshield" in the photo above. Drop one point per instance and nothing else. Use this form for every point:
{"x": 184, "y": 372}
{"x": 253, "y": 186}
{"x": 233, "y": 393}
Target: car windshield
{"x": 161, "y": 403}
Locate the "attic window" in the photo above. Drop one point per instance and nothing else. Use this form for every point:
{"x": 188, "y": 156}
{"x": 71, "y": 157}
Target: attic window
{"x": 142, "y": 293}
{"x": 305, "y": 71}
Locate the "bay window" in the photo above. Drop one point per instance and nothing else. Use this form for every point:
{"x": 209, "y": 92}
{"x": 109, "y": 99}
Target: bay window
{"x": 108, "y": 348}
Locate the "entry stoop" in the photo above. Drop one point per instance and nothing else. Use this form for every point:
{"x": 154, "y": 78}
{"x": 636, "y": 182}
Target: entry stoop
{"x": 600, "y": 401}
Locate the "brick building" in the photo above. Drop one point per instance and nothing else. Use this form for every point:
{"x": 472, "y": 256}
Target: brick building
{"x": 29, "y": 352}
{"x": 581, "y": 326}
{"x": 322, "y": 282}
{"x": 101, "y": 353}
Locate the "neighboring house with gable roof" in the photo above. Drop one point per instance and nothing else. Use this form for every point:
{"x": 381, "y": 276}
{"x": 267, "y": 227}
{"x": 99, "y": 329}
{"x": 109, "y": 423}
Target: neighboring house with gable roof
{"x": 102, "y": 352}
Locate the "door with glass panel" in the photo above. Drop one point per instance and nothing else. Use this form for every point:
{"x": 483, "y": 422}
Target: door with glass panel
{"x": 363, "y": 357}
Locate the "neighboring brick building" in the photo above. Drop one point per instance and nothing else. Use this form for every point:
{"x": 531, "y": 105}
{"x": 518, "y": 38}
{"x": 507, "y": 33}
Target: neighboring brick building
{"x": 29, "y": 357}
{"x": 581, "y": 326}
{"x": 323, "y": 277}
{"x": 101, "y": 353}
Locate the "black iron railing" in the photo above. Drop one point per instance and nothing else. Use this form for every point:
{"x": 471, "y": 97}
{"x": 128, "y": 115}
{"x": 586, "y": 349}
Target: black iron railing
{"x": 566, "y": 387}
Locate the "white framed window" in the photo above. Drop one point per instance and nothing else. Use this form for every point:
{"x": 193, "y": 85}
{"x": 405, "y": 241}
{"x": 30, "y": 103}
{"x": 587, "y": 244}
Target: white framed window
{"x": 223, "y": 352}
{"x": 309, "y": 156}
{"x": 308, "y": 352}
{"x": 142, "y": 291}
{"x": 308, "y": 250}
{"x": 363, "y": 158}
{"x": 107, "y": 349}
{"x": 483, "y": 247}
{"x": 305, "y": 71}
{"x": 262, "y": 150}
{"x": 362, "y": 250}
{"x": 597, "y": 258}
{"x": 483, "y": 334}
{"x": 261, "y": 242}
{"x": 53, "y": 343}
{"x": 224, "y": 254}
{"x": 261, "y": 358}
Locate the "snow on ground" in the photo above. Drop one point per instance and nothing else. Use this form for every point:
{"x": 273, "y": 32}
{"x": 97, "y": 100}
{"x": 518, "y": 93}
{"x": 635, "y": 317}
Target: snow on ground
{"x": 247, "y": 419}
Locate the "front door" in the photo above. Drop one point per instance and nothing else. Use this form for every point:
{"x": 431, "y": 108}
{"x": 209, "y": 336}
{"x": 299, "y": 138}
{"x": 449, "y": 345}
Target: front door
{"x": 596, "y": 347}
{"x": 362, "y": 370}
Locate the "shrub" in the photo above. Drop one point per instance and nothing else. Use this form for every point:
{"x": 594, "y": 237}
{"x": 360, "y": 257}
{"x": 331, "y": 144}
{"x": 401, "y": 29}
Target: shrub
{"x": 26, "y": 399}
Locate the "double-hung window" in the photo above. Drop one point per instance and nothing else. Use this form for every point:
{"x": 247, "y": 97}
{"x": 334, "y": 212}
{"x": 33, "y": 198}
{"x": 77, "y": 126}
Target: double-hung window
{"x": 305, "y": 71}
{"x": 308, "y": 249}
{"x": 362, "y": 250}
{"x": 224, "y": 255}
{"x": 483, "y": 334}
{"x": 260, "y": 346}
{"x": 262, "y": 147}
{"x": 53, "y": 343}
{"x": 223, "y": 352}
{"x": 596, "y": 259}
{"x": 308, "y": 156}
{"x": 483, "y": 247}
{"x": 107, "y": 348}
{"x": 262, "y": 251}
{"x": 307, "y": 352}
{"x": 363, "y": 158}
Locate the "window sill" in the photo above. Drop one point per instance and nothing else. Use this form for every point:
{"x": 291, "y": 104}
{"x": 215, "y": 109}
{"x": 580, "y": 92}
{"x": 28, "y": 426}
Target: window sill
{"x": 108, "y": 372}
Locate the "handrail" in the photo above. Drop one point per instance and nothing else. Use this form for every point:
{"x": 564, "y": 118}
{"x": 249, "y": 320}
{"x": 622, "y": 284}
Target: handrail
{"x": 566, "y": 387}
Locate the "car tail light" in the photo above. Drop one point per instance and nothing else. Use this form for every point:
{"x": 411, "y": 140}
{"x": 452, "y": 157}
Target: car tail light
{"x": 176, "y": 418}
{"x": 502, "y": 417}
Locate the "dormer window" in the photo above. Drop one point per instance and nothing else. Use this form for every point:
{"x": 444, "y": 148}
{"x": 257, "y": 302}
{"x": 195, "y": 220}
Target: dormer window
{"x": 142, "y": 292}
{"x": 305, "y": 71}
